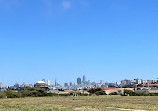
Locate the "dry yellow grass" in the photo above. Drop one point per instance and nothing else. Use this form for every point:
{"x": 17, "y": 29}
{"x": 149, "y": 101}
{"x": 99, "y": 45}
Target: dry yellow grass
{"x": 88, "y": 103}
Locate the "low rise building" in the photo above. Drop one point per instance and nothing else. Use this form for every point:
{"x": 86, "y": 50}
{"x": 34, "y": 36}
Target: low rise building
{"x": 41, "y": 84}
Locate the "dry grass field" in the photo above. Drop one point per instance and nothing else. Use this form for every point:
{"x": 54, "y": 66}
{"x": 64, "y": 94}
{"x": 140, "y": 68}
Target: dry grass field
{"x": 88, "y": 103}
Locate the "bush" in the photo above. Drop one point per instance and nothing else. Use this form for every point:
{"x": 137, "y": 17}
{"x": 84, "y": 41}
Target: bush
{"x": 42, "y": 92}
{"x": 2, "y": 95}
{"x": 34, "y": 92}
{"x": 100, "y": 92}
{"x": 53, "y": 94}
{"x": 10, "y": 94}
{"x": 97, "y": 91}
{"x": 64, "y": 94}
{"x": 84, "y": 94}
{"x": 30, "y": 92}
{"x": 132, "y": 93}
{"x": 129, "y": 92}
{"x": 113, "y": 93}
{"x": 26, "y": 93}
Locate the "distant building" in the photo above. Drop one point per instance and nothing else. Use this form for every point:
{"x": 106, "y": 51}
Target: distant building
{"x": 111, "y": 84}
{"x": 155, "y": 81}
{"x": 144, "y": 81}
{"x": 149, "y": 81}
{"x": 139, "y": 81}
{"x": 16, "y": 85}
{"x": 98, "y": 85}
{"x": 118, "y": 83}
{"x": 56, "y": 82}
{"x": 104, "y": 85}
{"x": 28, "y": 85}
{"x": 78, "y": 80}
{"x": 93, "y": 83}
{"x": 48, "y": 82}
{"x": 125, "y": 82}
{"x": 84, "y": 78}
{"x": 44, "y": 80}
{"x": 1, "y": 85}
{"x": 89, "y": 81}
{"x": 70, "y": 83}
{"x": 101, "y": 81}
{"x": 66, "y": 85}
{"x": 41, "y": 84}
{"x": 133, "y": 81}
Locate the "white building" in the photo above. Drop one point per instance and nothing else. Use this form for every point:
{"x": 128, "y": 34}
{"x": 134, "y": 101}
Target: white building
{"x": 118, "y": 83}
{"x": 48, "y": 82}
{"x": 1, "y": 85}
{"x": 101, "y": 81}
{"x": 139, "y": 81}
{"x": 133, "y": 81}
{"x": 145, "y": 82}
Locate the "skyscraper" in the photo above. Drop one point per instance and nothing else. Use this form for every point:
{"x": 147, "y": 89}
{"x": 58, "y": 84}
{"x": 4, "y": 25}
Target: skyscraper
{"x": 78, "y": 80}
{"x": 66, "y": 85}
{"x": 84, "y": 78}
{"x": 70, "y": 83}
{"x": 55, "y": 82}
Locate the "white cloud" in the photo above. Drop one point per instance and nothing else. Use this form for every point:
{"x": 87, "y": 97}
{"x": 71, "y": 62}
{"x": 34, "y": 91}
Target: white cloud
{"x": 66, "y": 4}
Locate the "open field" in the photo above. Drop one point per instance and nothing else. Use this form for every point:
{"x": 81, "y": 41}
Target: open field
{"x": 88, "y": 103}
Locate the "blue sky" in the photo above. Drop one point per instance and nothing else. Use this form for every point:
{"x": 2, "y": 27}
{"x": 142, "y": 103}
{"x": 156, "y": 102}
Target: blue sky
{"x": 105, "y": 40}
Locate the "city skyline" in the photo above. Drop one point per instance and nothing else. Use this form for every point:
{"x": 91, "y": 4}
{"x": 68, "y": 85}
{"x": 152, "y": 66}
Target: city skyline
{"x": 79, "y": 81}
{"x": 62, "y": 81}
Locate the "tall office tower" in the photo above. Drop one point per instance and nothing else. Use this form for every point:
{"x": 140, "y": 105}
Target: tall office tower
{"x": 48, "y": 82}
{"x": 1, "y": 85}
{"x": 55, "y": 82}
{"x": 84, "y": 78}
{"x": 70, "y": 83}
{"x": 66, "y": 85}
{"x": 78, "y": 80}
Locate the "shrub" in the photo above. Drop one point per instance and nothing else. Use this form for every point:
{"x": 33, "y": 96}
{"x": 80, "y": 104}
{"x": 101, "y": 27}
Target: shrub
{"x": 132, "y": 93}
{"x": 10, "y": 94}
{"x": 113, "y": 93}
{"x": 64, "y": 94}
{"x": 84, "y": 94}
{"x": 100, "y": 92}
{"x": 2, "y": 95}
{"x": 97, "y": 91}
